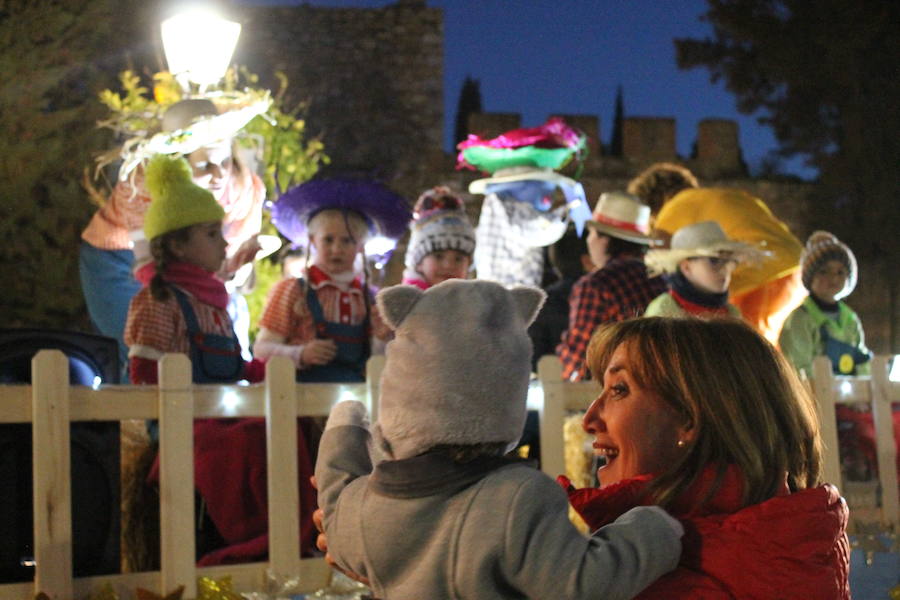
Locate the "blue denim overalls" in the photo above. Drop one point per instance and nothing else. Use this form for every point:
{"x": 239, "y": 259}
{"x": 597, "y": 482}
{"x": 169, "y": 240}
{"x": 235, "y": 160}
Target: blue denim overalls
{"x": 352, "y": 345}
{"x": 214, "y": 358}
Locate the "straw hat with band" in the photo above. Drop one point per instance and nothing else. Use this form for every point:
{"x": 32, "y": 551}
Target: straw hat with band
{"x": 706, "y": 238}
{"x": 622, "y": 216}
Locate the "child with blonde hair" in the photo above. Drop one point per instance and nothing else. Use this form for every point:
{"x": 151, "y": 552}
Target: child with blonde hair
{"x": 323, "y": 322}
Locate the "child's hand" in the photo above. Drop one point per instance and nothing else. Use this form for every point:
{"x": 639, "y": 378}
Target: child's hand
{"x": 319, "y": 352}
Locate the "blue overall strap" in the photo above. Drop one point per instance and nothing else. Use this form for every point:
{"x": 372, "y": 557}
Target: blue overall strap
{"x": 214, "y": 358}
{"x": 190, "y": 317}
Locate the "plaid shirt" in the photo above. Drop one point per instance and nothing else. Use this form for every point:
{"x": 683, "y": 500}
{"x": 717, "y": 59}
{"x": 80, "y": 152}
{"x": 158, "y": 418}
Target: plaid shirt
{"x": 155, "y": 328}
{"x": 618, "y": 291}
{"x": 508, "y": 241}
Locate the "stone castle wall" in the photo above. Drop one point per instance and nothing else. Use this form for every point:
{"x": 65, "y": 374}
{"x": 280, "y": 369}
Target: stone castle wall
{"x": 373, "y": 78}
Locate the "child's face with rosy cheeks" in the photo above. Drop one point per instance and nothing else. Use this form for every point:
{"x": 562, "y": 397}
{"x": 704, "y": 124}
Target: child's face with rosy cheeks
{"x": 829, "y": 281}
{"x": 334, "y": 245}
{"x": 204, "y": 246}
{"x": 443, "y": 265}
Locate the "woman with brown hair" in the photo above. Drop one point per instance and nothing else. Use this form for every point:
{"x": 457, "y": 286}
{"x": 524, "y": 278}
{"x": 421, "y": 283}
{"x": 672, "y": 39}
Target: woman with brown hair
{"x": 705, "y": 419}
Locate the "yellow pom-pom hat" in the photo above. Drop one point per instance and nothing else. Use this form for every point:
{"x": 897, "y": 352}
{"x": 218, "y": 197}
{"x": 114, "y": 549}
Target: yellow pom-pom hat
{"x": 177, "y": 202}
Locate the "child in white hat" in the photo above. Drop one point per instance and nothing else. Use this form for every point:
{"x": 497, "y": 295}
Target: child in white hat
{"x": 698, "y": 266}
{"x": 441, "y": 240}
{"x": 440, "y": 512}
{"x": 824, "y": 324}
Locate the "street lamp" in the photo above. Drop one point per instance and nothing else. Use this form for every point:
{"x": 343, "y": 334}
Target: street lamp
{"x": 198, "y": 46}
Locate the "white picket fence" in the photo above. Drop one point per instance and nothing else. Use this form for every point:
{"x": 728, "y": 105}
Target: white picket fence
{"x": 50, "y": 404}
{"x": 877, "y": 392}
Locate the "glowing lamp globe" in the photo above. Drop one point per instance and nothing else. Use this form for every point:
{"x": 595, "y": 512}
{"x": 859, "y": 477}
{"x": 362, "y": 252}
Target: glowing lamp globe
{"x": 198, "y": 46}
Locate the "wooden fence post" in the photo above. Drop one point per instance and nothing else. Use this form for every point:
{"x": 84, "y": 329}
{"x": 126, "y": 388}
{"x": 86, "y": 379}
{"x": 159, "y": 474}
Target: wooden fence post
{"x": 281, "y": 474}
{"x": 51, "y": 470}
{"x": 553, "y": 460}
{"x": 176, "y": 476}
{"x": 374, "y": 367}
{"x": 885, "y": 445}
{"x": 823, "y": 386}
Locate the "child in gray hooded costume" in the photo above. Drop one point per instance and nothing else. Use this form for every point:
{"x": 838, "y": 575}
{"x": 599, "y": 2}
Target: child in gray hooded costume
{"x": 445, "y": 515}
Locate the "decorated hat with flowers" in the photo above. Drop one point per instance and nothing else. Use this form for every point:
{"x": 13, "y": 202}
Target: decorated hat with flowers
{"x": 523, "y": 164}
{"x": 439, "y": 223}
{"x": 386, "y": 213}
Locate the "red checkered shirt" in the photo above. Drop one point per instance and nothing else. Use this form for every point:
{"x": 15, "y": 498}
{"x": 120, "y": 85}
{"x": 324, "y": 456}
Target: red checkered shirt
{"x": 154, "y": 328}
{"x": 618, "y": 291}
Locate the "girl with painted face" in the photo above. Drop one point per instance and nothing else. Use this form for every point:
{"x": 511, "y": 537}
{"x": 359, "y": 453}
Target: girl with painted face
{"x": 114, "y": 249}
{"x": 698, "y": 267}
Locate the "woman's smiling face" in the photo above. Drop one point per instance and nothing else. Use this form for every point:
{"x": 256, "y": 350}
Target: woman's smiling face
{"x": 633, "y": 427}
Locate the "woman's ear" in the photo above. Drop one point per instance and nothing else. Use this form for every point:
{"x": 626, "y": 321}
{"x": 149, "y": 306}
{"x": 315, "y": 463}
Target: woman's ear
{"x": 176, "y": 248}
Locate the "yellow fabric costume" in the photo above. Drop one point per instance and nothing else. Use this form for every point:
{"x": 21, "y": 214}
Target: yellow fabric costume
{"x": 765, "y": 292}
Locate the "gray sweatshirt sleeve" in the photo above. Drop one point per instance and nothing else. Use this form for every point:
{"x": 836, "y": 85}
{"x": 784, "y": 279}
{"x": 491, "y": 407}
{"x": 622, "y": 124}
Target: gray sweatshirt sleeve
{"x": 342, "y": 462}
{"x": 546, "y": 557}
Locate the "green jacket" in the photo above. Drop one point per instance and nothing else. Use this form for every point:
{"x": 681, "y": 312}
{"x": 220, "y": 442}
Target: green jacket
{"x": 665, "y": 305}
{"x": 801, "y": 339}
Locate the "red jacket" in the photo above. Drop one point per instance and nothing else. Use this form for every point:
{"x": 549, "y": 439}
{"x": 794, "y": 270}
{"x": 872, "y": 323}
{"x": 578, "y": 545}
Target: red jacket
{"x": 792, "y": 546}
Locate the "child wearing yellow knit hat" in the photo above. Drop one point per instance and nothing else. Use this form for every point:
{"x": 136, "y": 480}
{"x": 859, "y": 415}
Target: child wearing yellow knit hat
{"x": 182, "y": 309}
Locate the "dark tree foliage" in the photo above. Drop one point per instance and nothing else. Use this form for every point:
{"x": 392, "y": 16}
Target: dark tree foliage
{"x": 615, "y": 142}
{"x": 55, "y": 57}
{"x": 469, "y": 102}
{"x": 823, "y": 75}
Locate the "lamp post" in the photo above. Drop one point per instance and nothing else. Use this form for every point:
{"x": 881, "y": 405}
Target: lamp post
{"x": 198, "y": 45}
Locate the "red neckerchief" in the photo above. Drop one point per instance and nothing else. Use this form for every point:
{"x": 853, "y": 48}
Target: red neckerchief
{"x": 419, "y": 283}
{"x": 698, "y": 309}
{"x": 318, "y": 277}
{"x": 197, "y": 281}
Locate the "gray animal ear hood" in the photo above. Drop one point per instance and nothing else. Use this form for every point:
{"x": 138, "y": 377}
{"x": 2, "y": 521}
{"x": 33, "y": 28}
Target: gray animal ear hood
{"x": 457, "y": 369}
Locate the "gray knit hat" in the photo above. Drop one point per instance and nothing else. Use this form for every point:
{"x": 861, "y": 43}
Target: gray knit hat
{"x": 457, "y": 369}
{"x": 439, "y": 223}
{"x": 821, "y": 247}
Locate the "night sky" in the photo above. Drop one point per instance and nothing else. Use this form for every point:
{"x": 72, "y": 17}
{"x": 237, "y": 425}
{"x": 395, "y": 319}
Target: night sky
{"x": 538, "y": 57}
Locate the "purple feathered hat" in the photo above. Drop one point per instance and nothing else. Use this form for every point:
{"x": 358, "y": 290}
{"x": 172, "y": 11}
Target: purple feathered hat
{"x": 386, "y": 213}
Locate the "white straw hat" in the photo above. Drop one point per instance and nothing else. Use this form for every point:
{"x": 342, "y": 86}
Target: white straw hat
{"x": 519, "y": 174}
{"x": 622, "y": 216}
{"x": 705, "y": 238}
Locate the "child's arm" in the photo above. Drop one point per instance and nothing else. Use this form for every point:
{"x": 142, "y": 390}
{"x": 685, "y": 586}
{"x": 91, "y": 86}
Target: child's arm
{"x": 546, "y": 557}
{"x": 343, "y": 458}
{"x": 799, "y": 341}
{"x": 149, "y": 333}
